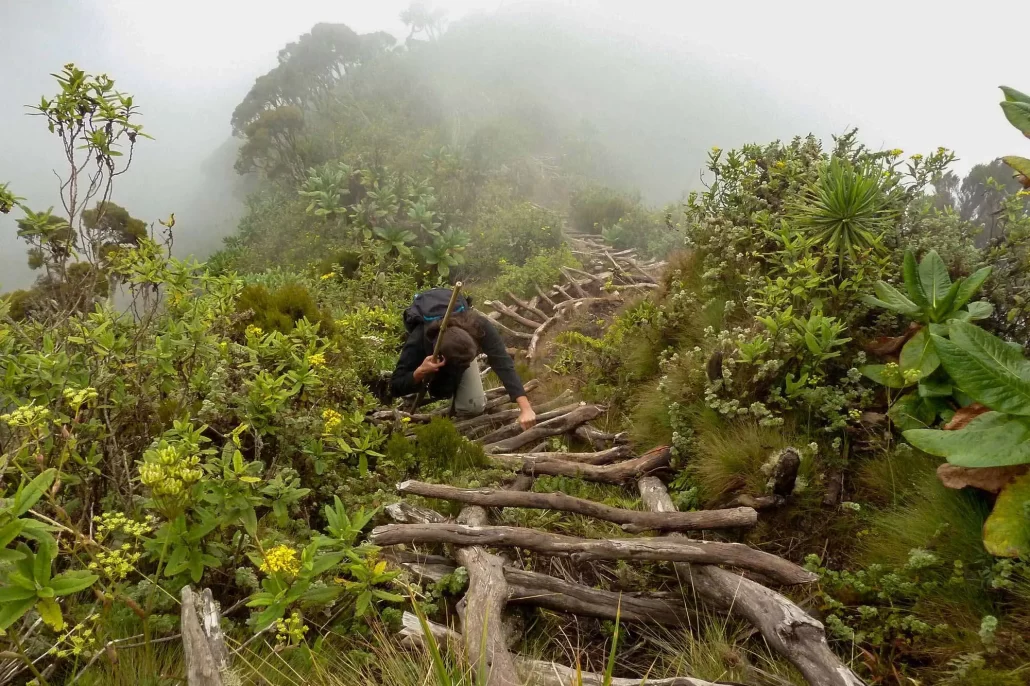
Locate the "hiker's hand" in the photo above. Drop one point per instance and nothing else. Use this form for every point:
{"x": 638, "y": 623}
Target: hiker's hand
{"x": 428, "y": 366}
{"x": 527, "y": 418}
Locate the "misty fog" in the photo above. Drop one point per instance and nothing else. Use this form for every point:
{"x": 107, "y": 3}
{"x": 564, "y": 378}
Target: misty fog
{"x": 658, "y": 83}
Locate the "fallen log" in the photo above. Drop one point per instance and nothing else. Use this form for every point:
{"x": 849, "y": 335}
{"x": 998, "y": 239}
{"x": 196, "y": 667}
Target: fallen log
{"x": 596, "y": 458}
{"x": 657, "y": 549}
{"x": 599, "y": 439}
{"x": 552, "y": 427}
{"x": 484, "y": 601}
{"x": 529, "y": 307}
{"x": 507, "y": 311}
{"x": 406, "y": 513}
{"x": 631, "y": 520}
{"x": 534, "y": 340}
{"x": 788, "y": 629}
{"x": 574, "y": 283}
{"x": 515, "y": 429}
{"x": 512, "y": 332}
{"x": 542, "y": 590}
{"x": 617, "y": 473}
{"x": 540, "y": 292}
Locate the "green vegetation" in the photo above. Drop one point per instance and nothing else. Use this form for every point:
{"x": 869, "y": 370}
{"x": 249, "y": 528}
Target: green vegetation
{"x": 165, "y": 423}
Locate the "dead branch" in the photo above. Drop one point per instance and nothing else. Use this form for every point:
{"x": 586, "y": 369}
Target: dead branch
{"x": 507, "y": 311}
{"x": 509, "y": 431}
{"x": 529, "y": 307}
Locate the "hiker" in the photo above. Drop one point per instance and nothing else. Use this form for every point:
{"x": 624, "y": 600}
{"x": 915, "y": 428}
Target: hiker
{"x": 455, "y": 374}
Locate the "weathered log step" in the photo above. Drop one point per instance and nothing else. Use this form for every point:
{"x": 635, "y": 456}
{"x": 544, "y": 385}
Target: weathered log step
{"x": 630, "y": 520}
{"x": 788, "y": 629}
{"x": 600, "y": 457}
{"x": 617, "y": 473}
{"x": 542, "y": 590}
{"x": 657, "y": 549}
{"x": 553, "y": 427}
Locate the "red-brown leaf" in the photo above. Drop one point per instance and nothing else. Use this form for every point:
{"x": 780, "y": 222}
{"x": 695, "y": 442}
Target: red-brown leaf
{"x": 990, "y": 479}
{"x": 964, "y": 416}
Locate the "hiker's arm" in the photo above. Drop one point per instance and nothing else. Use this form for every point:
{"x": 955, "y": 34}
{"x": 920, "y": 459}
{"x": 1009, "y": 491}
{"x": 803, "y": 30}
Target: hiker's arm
{"x": 412, "y": 355}
{"x": 501, "y": 362}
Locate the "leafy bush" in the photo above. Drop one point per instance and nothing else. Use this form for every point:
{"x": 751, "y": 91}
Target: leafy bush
{"x": 282, "y": 309}
{"x": 542, "y": 270}
{"x": 594, "y": 208}
{"x": 511, "y": 236}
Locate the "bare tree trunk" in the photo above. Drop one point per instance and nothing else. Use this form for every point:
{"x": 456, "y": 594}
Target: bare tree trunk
{"x": 788, "y": 629}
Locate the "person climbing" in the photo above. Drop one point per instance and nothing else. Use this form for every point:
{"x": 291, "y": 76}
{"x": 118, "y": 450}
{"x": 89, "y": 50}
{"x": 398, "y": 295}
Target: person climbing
{"x": 455, "y": 372}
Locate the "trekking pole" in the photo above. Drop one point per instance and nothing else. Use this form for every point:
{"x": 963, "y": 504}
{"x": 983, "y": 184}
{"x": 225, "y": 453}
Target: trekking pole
{"x": 439, "y": 339}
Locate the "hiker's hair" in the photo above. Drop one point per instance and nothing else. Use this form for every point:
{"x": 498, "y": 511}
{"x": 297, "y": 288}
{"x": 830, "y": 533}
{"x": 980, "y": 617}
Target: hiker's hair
{"x": 461, "y": 338}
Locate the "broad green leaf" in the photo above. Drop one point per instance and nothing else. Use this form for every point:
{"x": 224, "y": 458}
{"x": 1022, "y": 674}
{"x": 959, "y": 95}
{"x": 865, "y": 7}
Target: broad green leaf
{"x": 10, "y": 594}
{"x": 1018, "y": 114}
{"x": 9, "y": 532}
{"x": 919, "y": 354}
{"x": 970, "y": 286}
{"x": 1012, "y": 95}
{"x": 946, "y": 307}
{"x": 42, "y": 564}
{"x": 1007, "y": 530}
{"x": 50, "y": 612}
{"x": 991, "y": 440}
{"x": 911, "y": 277}
{"x": 321, "y": 595}
{"x": 981, "y": 309}
{"x": 935, "y": 388}
{"x": 67, "y": 583}
{"x": 889, "y": 298}
{"x": 1020, "y": 165}
{"x": 876, "y": 373}
{"x": 934, "y": 278}
{"x": 986, "y": 367}
{"x": 910, "y": 411}
{"x": 12, "y": 612}
{"x": 32, "y": 492}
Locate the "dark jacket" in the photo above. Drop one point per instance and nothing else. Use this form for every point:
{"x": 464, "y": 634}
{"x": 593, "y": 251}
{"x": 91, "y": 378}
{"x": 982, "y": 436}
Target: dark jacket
{"x": 444, "y": 383}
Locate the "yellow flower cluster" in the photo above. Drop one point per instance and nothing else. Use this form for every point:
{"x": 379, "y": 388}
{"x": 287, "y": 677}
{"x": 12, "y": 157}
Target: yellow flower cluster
{"x": 896, "y": 152}
{"x": 316, "y": 359}
{"x": 26, "y": 415}
{"x": 113, "y": 522}
{"x": 326, "y": 277}
{"x": 332, "y": 420}
{"x": 917, "y": 157}
{"x": 116, "y": 564}
{"x": 254, "y": 331}
{"x": 780, "y": 164}
{"x": 80, "y": 640}
{"x": 290, "y": 630}
{"x": 78, "y": 398}
{"x": 166, "y": 471}
{"x": 281, "y": 558}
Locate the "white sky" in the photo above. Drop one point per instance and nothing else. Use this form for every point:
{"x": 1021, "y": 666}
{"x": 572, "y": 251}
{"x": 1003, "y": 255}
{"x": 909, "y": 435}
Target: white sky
{"x": 911, "y": 74}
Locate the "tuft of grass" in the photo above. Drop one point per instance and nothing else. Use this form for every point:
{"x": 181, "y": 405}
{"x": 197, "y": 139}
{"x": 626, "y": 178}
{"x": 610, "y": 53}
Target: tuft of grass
{"x": 730, "y": 455}
{"x": 894, "y": 476}
{"x": 650, "y": 424}
{"x": 439, "y": 448}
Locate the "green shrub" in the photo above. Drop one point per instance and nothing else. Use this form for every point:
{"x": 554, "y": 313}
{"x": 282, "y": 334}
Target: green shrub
{"x": 511, "y": 235}
{"x": 595, "y": 208}
{"x": 542, "y": 269}
{"x": 281, "y": 309}
{"x": 439, "y": 448}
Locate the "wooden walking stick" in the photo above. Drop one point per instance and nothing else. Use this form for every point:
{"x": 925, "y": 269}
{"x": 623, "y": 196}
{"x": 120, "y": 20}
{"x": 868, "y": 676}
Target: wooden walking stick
{"x": 439, "y": 339}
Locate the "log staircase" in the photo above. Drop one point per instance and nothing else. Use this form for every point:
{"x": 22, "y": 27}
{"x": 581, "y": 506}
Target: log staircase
{"x": 728, "y": 578}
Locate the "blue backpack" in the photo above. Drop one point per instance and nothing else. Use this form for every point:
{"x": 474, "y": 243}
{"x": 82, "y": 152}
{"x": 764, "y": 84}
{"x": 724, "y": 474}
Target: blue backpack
{"x": 430, "y": 306}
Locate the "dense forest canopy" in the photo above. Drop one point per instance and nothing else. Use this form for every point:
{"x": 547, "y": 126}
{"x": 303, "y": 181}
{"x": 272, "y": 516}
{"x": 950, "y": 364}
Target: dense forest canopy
{"x": 799, "y": 360}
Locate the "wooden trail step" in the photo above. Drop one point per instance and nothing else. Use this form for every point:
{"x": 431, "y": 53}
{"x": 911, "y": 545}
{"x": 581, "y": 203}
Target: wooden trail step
{"x": 656, "y": 549}
{"x": 630, "y": 520}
